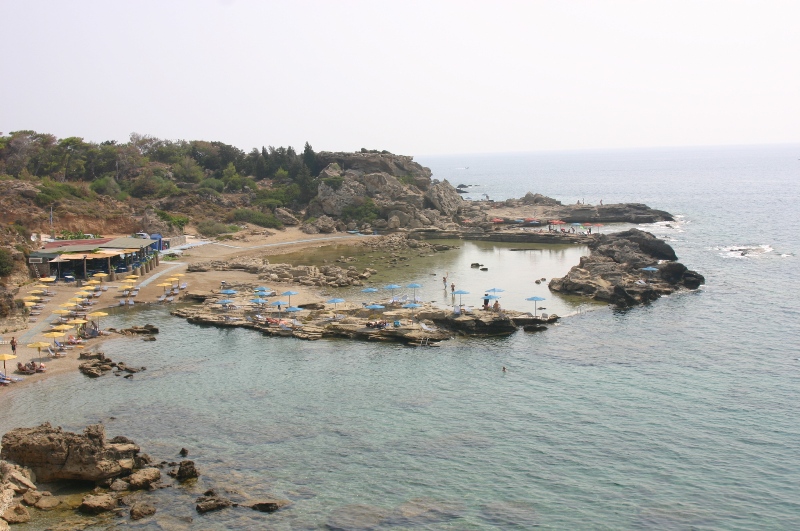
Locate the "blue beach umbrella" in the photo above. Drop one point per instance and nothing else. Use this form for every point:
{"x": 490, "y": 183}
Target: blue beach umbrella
{"x": 369, "y": 290}
{"x": 460, "y": 292}
{"x": 534, "y": 299}
{"x": 650, "y": 269}
{"x": 294, "y": 309}
{"x": 392, "y": 287}
{"x": 334, "y": 302}
{"x": 495, "y": 290}
{"x": 228, "y": 292}
{"x": 225, "y": 301}
{"x": 262, "y": 288}
{"x": 259, "y": 300}
{"x": 289, "y": 294}
{"x": 279, "y": 303}
{"x": 412, "y": 306}
{"x": 375, "y": 307}
{"x": 414, "y": 286}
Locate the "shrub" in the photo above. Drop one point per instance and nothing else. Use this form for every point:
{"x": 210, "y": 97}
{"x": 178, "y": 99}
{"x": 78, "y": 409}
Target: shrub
{"x": 256, "y": 218}
{"x": 176, "y": 221}
{"x": 105, "y": 186}
{"x": 215, "y": 228}
{"x": 213, "y": 184}
{"x": 6, "y": 262}
{"x": 51, "y": 191}
{"x": 364, "y": 210}
{"x": 334, "y": 182}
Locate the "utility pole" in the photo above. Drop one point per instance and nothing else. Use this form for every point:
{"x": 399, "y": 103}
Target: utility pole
{"x": 52, "y": 231}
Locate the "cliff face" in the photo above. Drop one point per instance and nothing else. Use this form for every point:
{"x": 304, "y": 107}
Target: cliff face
{"x": 402, "y": 190}
{"x": 613, "y": 272}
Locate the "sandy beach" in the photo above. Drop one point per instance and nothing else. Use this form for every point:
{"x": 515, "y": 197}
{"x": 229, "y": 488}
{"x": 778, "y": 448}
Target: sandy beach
{"x": 253, "y": 242}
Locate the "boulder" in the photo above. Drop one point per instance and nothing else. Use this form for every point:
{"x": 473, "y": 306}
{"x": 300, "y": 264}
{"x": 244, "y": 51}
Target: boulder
{"x": 286, "y": 217}
{"x": 444, "y": 198}
{"x": 18, "y": 514}
{"x": 142, "y": 509}
{"x": 31, "y": 497}
{"x": 142, "y": 479}
{"x": 53, "y": 454}
{"x": 186, "y": 470}
{"x": 96, "y": 504}
{"x": 211, "y": 501}
{"x": 47, "y": 503}
{"x": 118, "y": 485}
{"x": 269, "y": 505}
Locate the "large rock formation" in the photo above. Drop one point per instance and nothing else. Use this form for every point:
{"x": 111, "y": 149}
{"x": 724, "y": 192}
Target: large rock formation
{"x": 613, "y": 272}
{"x": 53, "y": 454}
{"x": 400, "y": 190}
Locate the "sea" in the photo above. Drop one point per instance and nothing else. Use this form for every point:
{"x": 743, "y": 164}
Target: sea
{"x": 680, "y": 414}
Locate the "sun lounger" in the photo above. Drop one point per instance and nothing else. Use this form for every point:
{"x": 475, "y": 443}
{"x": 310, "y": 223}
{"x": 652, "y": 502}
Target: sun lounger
{"x": 161, "y": 298}
{"x": 55, "y": 353}
{"x": 169, "y": 299}
{"x": 184, "y": 285}
{"x": 24, "y": 370}
{"x": 62, "y": 346}
{"x": 131, "y": 302}
{"x": 426, "y": 327}
{"x": 12, "y": 379}
{"x": 122, "y": 302}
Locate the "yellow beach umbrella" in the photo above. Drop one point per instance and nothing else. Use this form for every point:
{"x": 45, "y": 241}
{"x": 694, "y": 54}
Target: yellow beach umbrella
{"x": 28, "y": 304}
{"x": 6, "y": 357}
{"x": 62, "y": 326}
{"x": 39, "y": 345}
{"x": 131, "y": 277}
{"x": 83, "y": 294}
{"x": 77, "y": 321}
{"x": 92, "y": 283}
{"x": 173, "y": 279}
{"x": 100, "y": 275}
{"x": 31, "y": 298}
{"x": 98, "y": 315}
{"x": 179, "y": 275}
{"x": 47, "y": 279}
{"x": 62, "y": 312}
{"x": 54, "y": 335}
{"x": 67, "y": 304}
{"x": 36, "y": 292}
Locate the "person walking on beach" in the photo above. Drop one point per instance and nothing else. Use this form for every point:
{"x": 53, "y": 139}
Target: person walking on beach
{"x": 444, "y": 282}
{"x": 453, "y": 288}
{"x": 14, "y": 345}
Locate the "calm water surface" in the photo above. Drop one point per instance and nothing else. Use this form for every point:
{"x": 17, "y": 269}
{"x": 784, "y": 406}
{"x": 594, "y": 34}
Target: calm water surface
{"x": 681, "y": 414}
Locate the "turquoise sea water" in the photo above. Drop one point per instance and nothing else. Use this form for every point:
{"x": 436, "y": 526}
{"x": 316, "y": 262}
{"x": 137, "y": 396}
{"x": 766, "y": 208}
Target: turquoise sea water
{"x": 681, "y": 414}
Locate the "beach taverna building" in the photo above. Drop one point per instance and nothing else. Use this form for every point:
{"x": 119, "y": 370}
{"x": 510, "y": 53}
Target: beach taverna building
{"x": 80, "y": 259}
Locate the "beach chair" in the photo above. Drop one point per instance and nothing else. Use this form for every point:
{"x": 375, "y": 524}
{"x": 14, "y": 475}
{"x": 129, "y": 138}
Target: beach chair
{"x": 62, "y": 346}
{"x": 161, "y": 298}
{"x": 184, "y": 285}
{"x": 426, "y": 327}
{"x": 55, "y": 353}
{"x": 131, "y": 302}
{"x": 24, "y": 370}
{"x": 122, "y": 302}
{"x": 169, "y": 299}
{"x": 12, "y": 379}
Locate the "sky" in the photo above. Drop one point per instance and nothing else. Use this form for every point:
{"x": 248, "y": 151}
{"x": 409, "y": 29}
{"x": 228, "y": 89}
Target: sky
{"x": 416, "y": 78}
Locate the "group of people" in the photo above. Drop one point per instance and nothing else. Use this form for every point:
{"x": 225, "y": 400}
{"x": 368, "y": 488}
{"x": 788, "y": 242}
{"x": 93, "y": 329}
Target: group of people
{"x": 31, "y": 367}
{"x": 377, "y": 324}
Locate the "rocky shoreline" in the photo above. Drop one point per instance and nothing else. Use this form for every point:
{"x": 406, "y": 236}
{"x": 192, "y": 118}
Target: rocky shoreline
{"x": 113, "y": 475}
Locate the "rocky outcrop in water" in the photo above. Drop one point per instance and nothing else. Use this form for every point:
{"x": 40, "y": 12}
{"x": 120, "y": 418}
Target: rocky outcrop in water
{"x": 613, "y": 272}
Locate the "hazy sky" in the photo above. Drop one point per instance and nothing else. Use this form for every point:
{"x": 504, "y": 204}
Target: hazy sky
{"x": 428, "y": 77}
